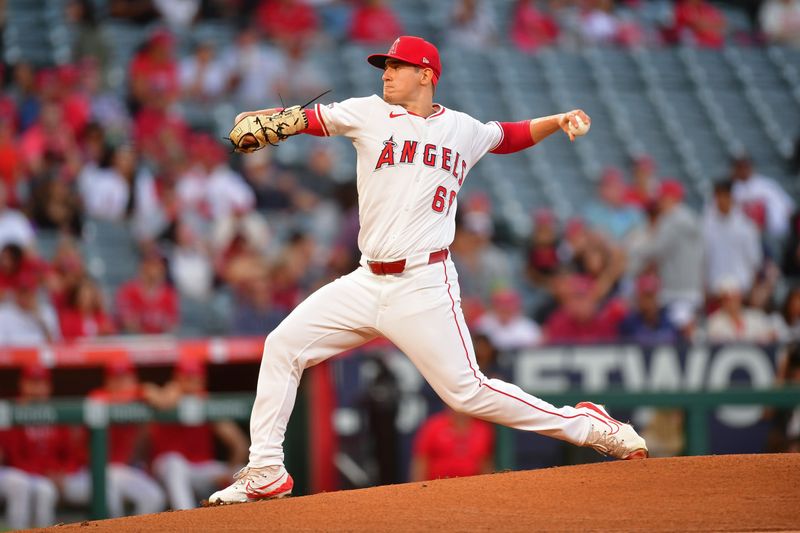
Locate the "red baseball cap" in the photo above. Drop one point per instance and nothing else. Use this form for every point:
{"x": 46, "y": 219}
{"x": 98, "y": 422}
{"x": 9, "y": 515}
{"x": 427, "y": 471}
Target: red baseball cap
{"x": 35, "y": 371}
{"x": 671, "y": 188}
{"x": 119, "y": 367}
{"x": 413, "y": 50}
{"x": 190, "y": 367}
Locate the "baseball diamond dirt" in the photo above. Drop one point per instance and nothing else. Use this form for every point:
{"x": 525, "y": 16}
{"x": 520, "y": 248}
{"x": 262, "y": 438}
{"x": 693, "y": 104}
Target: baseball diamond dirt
{"x": 717, "y": 493}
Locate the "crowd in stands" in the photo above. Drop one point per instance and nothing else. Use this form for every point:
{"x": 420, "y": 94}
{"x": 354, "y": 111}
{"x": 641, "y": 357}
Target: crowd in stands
{"x": 637, "y": 264}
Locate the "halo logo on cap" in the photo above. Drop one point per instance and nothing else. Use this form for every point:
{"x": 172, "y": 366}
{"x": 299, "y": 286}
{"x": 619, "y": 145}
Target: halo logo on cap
{"x": 393, "y": 49}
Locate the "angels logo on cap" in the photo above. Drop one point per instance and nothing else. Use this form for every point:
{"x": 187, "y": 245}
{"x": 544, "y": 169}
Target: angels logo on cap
{"x": 412, "y": 50}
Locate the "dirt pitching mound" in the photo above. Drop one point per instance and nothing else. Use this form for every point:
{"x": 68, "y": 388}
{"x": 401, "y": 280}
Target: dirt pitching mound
{"x": 719, "y": 493}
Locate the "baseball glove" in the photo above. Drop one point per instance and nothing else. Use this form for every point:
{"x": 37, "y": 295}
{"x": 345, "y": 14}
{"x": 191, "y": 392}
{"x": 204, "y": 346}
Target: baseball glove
{"x": 254, "y": 131}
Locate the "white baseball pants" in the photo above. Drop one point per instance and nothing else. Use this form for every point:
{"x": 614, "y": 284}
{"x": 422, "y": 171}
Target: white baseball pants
{"x": 124, "y": 483}
{"x": 419, "y": 311}
{"x": 30, "y": 499}
{"x": 183, "y": 478}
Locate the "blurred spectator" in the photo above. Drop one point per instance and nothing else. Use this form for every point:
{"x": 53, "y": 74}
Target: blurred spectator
{"x": 183, "y": 456}
{"x": 66, "y": 271}
{"x": 487, "y": 356}
{"x": 472, "y": 25}
{"x": 88, "y": 40}
{"x": 24, "y": 93}
{"x": 780, "y": 21}
{"x": 790, "y": 314}
{"x": 648, "y": 322}
{"x": 45, "y": 457}
{"x": 203, "y": 76}
{"x": 601, "y": 25}
{"x": 699, "y": 22}
{"x": 148, "y": 304}
{"x": 303, "y": 78}
{"x": 674, "y": 250}
{"x": 189, "y": 264}
{"x": 156, "y": 207}
{"x": 482, "y": 266}
{"x": 732, "y": 243}
{"x": 27, "y": 320}
{"x": 84, "y": 314}
{"x": 609, "y": 214}
{"x": 542, "y": 254}
{"x": 791, "y": 252}
{"x": 603, "y": 264}
{"x": 12, "y": 177}
{"x": 579, "y": 318}
{"x": 126, "y": 483}
{"x": 15, "y": 228}
{"x": 785, "y": 432}
{"x": 283, "y": 20}
{"x": 645, "y": 183}
{"x": 153, "y": 73}
{"x": 733, "y": 322}
{"x": 374, "y": 23}
{"x": 254, "y": 311}
{"x": 105, "y": 189}
{"x": 55, "y": 205}
{"x": 380, "y": 403}
{"x": 75, "y": 104}
{"x": 12, "y": 267}
{"x": 106, "y": 107}
{"x": 258, "y": 72}
{"x": 178, "y": 14}
{"x": 451, "y": 444}
{"x": 49, "y": 149}
{"x": 505, "y": 324}
{"x": 13, "y": 488}
{"x": 273, "y": 188}
{"x": 211, "y": 189}
{"x": 532, "y": 28}
{"x": 751, "y": 187}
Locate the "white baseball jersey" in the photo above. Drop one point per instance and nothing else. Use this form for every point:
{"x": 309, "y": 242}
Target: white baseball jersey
{"x": 410, "y": 169}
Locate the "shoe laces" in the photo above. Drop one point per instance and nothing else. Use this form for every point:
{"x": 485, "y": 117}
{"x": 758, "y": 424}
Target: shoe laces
{"x": 606, "y": 443}
{"x": 252, "y": 471}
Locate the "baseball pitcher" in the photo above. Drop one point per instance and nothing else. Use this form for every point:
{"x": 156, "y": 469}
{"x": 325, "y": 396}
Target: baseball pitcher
{"x": 413, "y": 157}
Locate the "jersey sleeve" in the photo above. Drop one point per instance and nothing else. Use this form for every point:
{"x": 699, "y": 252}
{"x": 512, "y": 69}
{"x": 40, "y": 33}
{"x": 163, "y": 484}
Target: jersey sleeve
{"x": 345, "y": 118}
{"x": 486, "y": 137}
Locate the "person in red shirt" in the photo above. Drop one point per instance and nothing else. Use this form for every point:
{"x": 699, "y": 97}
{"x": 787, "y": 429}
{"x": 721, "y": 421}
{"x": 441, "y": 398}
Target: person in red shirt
{"x": 644, "y": 186}
{"x": 699, "y": 22}
{"x": 126, "y": 482}
{"x": 287, "y": 19}
{"x": 580, "y": 318}
{"x": 451, "y": 444}
{"x": 374, "y": 23}
{"x": 83, "y": 315}
{"x": 11, "y": 167}
{"x": 148, "y": 304}
{"x": 531, "y": 28}
{"x": 153, "y": 73}
{"x": 183, "y": 455}
{"x": 44, "y": 457}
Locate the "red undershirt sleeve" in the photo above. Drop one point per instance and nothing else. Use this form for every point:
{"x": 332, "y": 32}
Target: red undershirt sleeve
{"x": 315, "y": 126}
{"x": 516, "y": 137}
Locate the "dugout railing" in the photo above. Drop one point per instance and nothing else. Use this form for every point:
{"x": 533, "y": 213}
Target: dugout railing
{"x": 98, "y": 416}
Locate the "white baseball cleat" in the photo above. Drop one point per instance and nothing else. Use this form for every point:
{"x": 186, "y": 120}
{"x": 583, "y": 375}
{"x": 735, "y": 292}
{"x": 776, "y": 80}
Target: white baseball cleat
{"x": 254, "y": 484}
{"x": 612, "y": 437}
